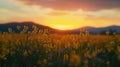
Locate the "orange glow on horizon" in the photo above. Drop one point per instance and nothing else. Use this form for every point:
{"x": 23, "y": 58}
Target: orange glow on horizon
{"x": 57, "y": 18}
{"x": 62, "y": 27}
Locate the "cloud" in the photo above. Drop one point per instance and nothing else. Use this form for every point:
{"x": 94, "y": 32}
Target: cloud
{"x": 75, "y": 4}
{"x": 57, "y": 13}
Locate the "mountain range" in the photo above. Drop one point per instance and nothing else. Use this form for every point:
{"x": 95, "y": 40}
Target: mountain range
{"x": 92, "y": 30}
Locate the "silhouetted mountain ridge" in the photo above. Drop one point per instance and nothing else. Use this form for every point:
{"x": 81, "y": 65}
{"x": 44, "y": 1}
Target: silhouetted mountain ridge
{"x": 93, "y": 30}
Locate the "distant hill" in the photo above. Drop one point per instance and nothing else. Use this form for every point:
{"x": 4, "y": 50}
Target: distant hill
{"x": 93, "y": 30}
{"x": 13, "y": 25}
{"x": 101, "y": 30}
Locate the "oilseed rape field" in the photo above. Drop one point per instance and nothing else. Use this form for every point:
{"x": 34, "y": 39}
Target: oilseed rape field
{"x": 42, "y": 49}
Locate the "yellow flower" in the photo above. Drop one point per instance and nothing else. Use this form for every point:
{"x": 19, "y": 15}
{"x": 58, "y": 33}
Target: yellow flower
{"x": 66, "y": 57}
{"x": 118, "y": 49}
{"x": 25, "y": 53}
{"x": 45, "y": 61}
{"x": 74, "y": 60}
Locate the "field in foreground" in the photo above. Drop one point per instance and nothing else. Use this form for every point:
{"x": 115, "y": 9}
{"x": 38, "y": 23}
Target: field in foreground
{"x": 54, "y": 50}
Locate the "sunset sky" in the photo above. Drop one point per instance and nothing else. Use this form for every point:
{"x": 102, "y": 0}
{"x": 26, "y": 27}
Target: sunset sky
{"x": 62, "y": 14}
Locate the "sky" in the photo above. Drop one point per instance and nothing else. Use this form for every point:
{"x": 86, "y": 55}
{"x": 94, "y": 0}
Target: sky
{"x": 62, "y": 14}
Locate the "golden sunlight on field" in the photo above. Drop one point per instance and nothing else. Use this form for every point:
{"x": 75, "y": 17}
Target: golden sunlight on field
{"x": 42, "y": 49}
{"x": 59, "y": 33}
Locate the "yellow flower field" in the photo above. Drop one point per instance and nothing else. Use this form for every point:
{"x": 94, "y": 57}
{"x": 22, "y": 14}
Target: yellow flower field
{"x": 58, "y": 50}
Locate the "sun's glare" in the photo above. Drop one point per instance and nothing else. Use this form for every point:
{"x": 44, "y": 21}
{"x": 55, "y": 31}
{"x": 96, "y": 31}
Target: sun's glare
{"x": 62, "y": 27}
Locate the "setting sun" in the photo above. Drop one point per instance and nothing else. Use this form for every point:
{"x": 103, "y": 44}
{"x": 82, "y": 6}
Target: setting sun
{"x": 59, "y": 33}
{"x": 62, "y": 27}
